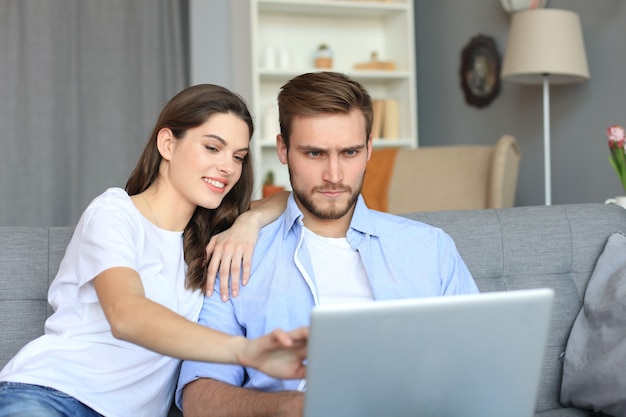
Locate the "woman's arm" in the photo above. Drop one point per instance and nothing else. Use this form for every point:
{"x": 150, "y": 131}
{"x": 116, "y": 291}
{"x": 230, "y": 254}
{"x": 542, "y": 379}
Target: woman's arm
{"x": 136, "y": 319}
{"x": 230, "y": 252}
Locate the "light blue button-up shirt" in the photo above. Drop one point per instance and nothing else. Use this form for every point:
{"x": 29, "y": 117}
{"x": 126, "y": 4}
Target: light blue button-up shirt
{"x": 402, "y": 258}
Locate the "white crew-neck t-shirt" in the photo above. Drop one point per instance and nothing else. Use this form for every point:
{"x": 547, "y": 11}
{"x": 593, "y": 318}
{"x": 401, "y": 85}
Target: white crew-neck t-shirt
{"x": 340, "y": 276}
{"x": 78, "y": 354}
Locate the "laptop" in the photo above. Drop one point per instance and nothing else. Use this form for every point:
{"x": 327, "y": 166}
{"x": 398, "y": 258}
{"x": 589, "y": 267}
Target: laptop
{"x": 476, "y": 355}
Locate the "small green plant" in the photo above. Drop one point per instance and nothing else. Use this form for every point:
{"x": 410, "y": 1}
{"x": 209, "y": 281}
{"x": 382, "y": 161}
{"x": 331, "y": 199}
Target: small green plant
{"x": 269, "y": 178}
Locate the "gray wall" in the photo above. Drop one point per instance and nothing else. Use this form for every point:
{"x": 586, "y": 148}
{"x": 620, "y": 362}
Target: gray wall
{"x": 579, "y": 113}
{"x": 210, "y": 31}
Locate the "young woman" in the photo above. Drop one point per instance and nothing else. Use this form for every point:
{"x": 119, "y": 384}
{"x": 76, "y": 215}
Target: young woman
{"x": 130, "y": 287}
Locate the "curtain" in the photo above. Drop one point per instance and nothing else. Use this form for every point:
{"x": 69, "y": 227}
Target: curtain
{"x": 81, "y": 85}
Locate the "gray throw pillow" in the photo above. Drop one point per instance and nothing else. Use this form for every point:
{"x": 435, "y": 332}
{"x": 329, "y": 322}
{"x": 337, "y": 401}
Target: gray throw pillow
{"x": 594, "y": 364}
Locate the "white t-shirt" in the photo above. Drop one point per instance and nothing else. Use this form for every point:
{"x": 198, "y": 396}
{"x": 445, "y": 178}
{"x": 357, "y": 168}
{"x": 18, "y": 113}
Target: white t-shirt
{"x": 340, "y": 276}
{"x": 78, "y": 354}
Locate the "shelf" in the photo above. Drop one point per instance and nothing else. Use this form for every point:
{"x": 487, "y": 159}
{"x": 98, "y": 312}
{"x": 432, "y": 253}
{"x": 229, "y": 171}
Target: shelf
{"x": 274, "y": 41}
{"x": 359, "y": 75}
{"x": 393, "y": 143}
{"x": 378, "y": 143}
{"x": 343, "y": 8}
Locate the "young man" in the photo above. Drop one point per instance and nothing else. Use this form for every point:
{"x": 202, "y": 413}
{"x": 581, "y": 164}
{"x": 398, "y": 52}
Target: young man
{"x": 327, "y": 247}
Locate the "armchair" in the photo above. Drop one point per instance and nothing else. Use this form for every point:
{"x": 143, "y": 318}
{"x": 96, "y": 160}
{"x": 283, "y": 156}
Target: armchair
{"x": 443, "y": 177}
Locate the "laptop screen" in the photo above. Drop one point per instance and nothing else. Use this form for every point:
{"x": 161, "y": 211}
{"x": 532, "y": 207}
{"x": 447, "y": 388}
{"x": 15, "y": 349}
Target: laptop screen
{"x": 465, "y": 355}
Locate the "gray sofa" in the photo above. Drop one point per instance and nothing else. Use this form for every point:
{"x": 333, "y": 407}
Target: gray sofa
{"x": 505, "y": 249}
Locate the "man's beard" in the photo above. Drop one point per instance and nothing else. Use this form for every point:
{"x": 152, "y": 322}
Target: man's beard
{"x": 333, "y": 212}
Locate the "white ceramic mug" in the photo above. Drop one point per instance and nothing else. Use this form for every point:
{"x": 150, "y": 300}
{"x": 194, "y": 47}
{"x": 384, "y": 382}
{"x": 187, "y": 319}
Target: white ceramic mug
{"x": 269, "y": 58}
{"x": 271, "y": 126}
{"x": 619, "y": 200}
{"x": 284, "y": 58}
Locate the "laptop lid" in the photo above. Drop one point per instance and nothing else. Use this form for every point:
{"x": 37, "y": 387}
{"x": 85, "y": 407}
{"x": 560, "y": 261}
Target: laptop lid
{"x": 459, "y": 356}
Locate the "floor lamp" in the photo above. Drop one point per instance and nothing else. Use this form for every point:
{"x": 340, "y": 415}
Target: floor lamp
{"x": 545, "y": 46}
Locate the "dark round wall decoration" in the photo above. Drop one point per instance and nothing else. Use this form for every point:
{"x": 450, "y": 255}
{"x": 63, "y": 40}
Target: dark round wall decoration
{"x": 480, "y": 71}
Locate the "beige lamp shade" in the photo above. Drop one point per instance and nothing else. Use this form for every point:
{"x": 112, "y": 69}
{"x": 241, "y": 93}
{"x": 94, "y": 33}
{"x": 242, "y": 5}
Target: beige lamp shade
{"x": 545, "y": 42}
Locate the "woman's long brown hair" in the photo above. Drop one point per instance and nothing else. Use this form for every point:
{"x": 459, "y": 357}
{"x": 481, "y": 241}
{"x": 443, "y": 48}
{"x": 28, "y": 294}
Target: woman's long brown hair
{"x": 188, "y": 109}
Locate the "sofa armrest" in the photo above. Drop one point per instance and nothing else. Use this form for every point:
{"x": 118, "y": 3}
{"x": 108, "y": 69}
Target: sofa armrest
{"x": 504, "y": 171}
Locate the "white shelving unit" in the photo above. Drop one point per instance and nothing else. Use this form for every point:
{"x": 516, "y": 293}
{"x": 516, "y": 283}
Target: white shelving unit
{"x": 293, "y": 30}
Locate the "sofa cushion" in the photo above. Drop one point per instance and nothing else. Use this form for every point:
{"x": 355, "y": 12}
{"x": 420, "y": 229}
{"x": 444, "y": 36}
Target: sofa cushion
{"x": 24, "y": 283}
{"x": 595, "y": 357}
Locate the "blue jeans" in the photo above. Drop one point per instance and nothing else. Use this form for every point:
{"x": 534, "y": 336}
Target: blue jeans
{"x": 22, "y": 400}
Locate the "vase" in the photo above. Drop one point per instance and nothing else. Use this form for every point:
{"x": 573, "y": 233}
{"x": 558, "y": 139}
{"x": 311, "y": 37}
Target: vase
{"x": 619, "y": 200}
{"x": 323, "y": 57}
{"x": 270, "y": 190}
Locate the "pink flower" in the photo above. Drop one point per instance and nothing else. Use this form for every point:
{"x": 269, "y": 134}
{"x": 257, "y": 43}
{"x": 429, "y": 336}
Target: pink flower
{"x": 616, "y": 136}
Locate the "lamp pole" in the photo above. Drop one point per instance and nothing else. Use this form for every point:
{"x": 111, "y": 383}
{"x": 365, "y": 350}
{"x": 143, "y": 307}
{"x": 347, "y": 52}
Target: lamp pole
{"x": 546, "y": 140}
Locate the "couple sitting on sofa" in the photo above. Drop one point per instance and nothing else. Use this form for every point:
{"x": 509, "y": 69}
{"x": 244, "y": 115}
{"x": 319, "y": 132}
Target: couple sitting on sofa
{"x": 325, "y": 123}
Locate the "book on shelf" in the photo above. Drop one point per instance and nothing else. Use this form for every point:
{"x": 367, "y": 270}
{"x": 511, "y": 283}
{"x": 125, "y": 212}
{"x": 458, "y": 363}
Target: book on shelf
{"x": 385, "y": 118}
{"x": 378, "y": 109}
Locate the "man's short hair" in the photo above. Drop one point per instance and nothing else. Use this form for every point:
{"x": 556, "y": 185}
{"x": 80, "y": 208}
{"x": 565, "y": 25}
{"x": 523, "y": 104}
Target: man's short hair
{"x": 318, "y": 93}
